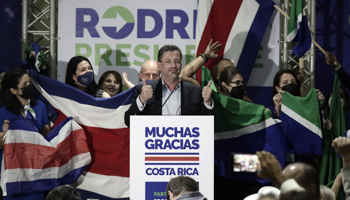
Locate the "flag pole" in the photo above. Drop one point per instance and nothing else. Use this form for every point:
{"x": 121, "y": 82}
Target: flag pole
{"x": 301, "y": 70}
{"x": 313, "y": 41}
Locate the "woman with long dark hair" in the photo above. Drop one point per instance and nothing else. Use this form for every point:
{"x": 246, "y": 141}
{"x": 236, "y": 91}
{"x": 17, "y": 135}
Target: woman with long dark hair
{"x": 286, "y": 80}
{"x": 80, "y": 75}
{"x": 111, "y": 82}
{"x": 231, "y": 84}
{"x": 19, "y": 103}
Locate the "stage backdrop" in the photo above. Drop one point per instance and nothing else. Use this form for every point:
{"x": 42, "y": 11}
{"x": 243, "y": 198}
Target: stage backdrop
{"x": 333, "y": 34}
{"x": 10, "y": 34}
{"x": 122, "y": 35}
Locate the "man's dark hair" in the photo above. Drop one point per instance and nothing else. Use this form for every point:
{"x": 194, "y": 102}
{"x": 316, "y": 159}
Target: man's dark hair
{"x": 216, "y": 66}
{"x": 166, "y": 48}
{"x": 64, "y": 192}
{"x": 181, "y": 184}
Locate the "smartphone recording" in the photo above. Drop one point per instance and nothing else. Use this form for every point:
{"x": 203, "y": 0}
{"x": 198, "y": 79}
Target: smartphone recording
{"x": 245, "y": 163}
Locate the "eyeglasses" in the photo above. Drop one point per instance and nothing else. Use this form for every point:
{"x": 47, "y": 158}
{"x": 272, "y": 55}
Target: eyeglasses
{"x": 238, "y": 82}
{"x": 169, "y": 62}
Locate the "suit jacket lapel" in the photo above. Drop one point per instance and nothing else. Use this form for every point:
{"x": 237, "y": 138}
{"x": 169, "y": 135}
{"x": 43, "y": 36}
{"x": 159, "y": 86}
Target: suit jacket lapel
{"x": 158, "y": 97}
{"x": 184, "y": 97}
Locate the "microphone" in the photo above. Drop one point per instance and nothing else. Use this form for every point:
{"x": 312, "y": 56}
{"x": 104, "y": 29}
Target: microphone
{"x": 168, "y": 97}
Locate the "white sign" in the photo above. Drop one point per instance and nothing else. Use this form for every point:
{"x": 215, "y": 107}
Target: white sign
{"x": 121, "y": 35}
{"x": 164, "y": 147}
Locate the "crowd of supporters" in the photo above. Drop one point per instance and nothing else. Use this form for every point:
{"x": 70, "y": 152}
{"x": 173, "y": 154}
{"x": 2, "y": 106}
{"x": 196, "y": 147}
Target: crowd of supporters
{"x": 299, "y": 180}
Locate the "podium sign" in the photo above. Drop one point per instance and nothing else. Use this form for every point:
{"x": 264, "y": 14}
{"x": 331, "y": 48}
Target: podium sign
{"x": 164, "y": 147}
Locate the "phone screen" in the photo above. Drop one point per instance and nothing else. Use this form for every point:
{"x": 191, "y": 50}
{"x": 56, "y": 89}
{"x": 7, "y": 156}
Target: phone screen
{"x": 245, "y": 163}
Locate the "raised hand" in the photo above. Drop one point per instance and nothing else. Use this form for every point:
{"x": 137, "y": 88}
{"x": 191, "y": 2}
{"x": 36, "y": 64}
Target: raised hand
{"x": 342, "y": 146}
{"x": 320, "y": 95}
{"x": 270, "y": 168}
{"x": 212, "y": 49}
{"x": 277, "y": 99}
{"x": 301, "y": 77}
{"x": 5, "y": 126}
{"x": 206, "y": 94}
{"x": 331, "y": 60}
{"x": 127, "y": 83}
{"x": 146, "y": 92}
{"x": 327, "y": 124}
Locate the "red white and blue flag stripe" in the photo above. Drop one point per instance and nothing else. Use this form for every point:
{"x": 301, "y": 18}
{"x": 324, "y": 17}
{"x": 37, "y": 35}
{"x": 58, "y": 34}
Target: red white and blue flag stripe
{"x": 239, "y": 25}
{"x": 32, "y": 163}
{"x": 170, "y": 158}
{"x": 107, "y": 177}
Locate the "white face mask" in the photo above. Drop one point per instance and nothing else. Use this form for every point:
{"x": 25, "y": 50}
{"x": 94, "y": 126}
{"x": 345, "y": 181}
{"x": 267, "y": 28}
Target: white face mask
{"x": 330, "y": 101}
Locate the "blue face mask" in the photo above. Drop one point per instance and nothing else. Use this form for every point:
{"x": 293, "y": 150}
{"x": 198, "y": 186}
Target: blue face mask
{"x": 86, "y": 79}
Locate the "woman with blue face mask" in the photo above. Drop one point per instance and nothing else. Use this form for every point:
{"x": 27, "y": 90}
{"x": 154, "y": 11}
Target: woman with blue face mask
{"x": 80, "y": 75}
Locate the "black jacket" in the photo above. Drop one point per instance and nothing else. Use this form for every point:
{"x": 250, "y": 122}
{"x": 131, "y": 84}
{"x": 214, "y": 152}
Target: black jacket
{"x": 191, "y": 101}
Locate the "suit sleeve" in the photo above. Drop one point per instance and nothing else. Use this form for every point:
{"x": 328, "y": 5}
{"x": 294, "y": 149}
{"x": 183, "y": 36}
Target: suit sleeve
{"x": 206, "y": 111}
{"x": 204, "y": 108}
{"x": 133, "y": 109}
{"x": 344, "y": 77}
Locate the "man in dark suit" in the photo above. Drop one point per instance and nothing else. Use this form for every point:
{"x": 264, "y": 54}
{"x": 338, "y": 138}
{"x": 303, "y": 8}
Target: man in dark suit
{"x": 169, "y": 95}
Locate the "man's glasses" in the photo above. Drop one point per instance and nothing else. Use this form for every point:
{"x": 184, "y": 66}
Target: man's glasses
{"x": 169, "y": 62}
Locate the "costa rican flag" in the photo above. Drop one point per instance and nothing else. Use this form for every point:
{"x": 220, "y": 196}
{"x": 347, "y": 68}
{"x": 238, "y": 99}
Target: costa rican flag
{"x": 171, "y": 158}
{"x": 32, "y": 163}
{"x": 107, "y": 177}
{"x": 239, "y": 25}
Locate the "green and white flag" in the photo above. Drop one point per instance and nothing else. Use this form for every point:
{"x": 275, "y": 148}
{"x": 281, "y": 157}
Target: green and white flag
{"x": 244, "y": 127}
{"x": 303, "y": 118}
{"x": 298, "y": 29}
{"x": 36, "y": 62}
{"x": 331, "y": 163}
